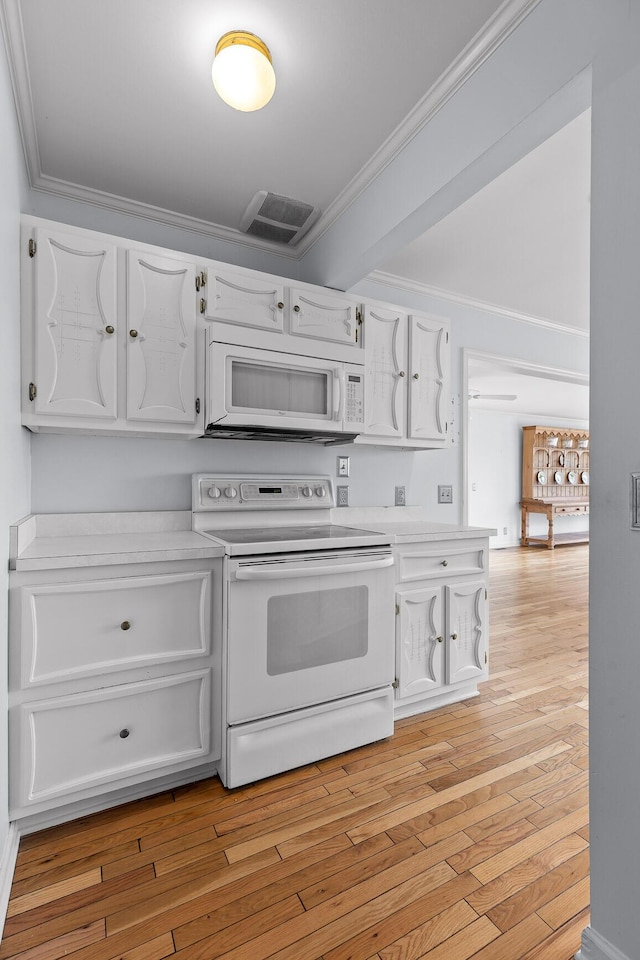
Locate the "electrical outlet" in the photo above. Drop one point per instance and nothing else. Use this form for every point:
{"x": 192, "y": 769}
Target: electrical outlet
{"x": 342, "y": 466}
{"x": 505, "y": 531}
{"x": 445, "y": 493}
{"x": 401, "y": 497}
{"x": 342, "y": 496}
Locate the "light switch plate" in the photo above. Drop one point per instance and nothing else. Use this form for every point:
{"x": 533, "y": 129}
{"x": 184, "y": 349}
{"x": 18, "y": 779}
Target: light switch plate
{"x": 342, "y": 466}
{"x": 445, "y": 493}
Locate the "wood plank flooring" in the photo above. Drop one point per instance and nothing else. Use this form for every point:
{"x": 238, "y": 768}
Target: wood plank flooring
{"x": 463, "y": 836}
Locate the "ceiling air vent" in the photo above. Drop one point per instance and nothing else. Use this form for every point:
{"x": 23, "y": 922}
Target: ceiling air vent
{"x": 271, "y": 217}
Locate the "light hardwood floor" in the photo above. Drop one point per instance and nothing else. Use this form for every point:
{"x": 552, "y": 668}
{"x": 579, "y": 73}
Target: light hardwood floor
{"x": 465, "y": 835}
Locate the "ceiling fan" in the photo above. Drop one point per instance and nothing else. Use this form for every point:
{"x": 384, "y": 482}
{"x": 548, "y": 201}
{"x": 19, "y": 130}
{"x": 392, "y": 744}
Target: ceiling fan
{"x": 493, "y": 396}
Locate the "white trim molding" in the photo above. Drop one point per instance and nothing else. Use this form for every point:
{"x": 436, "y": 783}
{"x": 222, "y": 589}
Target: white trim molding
{"x": 426, "y": 290}
{"x": 595, "y": 947}
{"x": 7, "y": 869}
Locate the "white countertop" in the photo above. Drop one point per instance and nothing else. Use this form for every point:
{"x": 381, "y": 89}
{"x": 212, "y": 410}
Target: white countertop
{"x": 406, "y": 524}
{"x": 59, "y": 540}
{"x": 49, "y": 541}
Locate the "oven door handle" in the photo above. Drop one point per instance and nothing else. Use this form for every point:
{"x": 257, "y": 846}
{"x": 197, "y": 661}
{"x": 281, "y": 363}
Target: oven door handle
{"x": 310, "y": 570}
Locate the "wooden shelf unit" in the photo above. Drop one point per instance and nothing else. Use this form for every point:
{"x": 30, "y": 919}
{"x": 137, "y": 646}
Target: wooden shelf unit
{"x": 555, "y": 481}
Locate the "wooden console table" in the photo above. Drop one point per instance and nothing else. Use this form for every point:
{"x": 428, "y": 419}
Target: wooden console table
{"x": 552, "y": 509}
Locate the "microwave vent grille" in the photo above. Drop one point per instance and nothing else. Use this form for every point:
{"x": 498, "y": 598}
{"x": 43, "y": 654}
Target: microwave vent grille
{"x": 281, "y": 219}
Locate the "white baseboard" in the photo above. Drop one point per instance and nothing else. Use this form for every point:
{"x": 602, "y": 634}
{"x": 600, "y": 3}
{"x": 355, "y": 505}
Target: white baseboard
{"x": 7, "y": 868}
{"x": 595, "y": 947}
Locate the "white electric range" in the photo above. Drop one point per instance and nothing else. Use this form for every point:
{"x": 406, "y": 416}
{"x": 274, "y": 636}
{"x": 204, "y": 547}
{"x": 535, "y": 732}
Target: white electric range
{"x": 308, "y": 651}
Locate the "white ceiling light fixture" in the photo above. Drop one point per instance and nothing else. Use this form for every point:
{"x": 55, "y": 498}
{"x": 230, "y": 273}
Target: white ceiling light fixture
{"x": 242, "y": 72}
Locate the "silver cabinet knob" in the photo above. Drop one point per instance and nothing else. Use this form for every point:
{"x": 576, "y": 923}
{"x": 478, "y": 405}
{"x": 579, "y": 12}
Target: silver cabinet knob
{"x": 125, "y": 625}
{"x": 124, "y": 734}
{"x": 133, "y": 334}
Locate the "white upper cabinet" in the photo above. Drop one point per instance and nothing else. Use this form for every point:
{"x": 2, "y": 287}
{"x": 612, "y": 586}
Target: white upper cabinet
{"x": 385, "y": 383}
{"x": 406, "y": 379}
{"x": 323, "y": 316}
{"x": 254, "y": 309}
{"x": 428, "y": 374}
{"x": 161, "y": 339}
{"x": 75, "y": 336}
{"x": 243, "y": 298}
{"x": 109, "y": 336}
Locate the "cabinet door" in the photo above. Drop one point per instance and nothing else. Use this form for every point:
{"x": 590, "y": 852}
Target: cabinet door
{"x": 323, "y": 317}
{"x": 465, "y": 605}
{"x": 420, "y": 641}
{"x": 75, "y": 326}
{"x": 161, "y": 340}
{"x": 385, "y": 372}
{"x": 244, "y": 299}
{"x": 428, "y": 376}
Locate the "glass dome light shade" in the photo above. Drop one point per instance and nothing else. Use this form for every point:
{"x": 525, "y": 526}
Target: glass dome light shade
{"x": 242, "y": 73}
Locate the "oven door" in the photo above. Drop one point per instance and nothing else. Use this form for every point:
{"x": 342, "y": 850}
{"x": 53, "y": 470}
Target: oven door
{"x": 305, "y": 629}
{"x": 249, "y": 387}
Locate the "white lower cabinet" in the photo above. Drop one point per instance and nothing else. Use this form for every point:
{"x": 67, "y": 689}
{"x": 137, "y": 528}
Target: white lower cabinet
{"x": 441, "y": 623}
{"x": 115, "y": 679}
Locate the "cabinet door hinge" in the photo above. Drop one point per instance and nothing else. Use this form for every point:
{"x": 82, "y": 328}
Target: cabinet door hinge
{"x": 486, "y": 657}
{"x": 397, "y": 609}
{"x": 359, "y": 316}
{"x": 197, "y": 404}
{"x": 486, "y": 594}
{"x": 32, "y": 391}
{"x": 447, "y": 337}
{"x": 203, "y": 304}
{"x": 395, "y": 684}
{"x": 32, "y": 247}
{"x": 201, "y": 279}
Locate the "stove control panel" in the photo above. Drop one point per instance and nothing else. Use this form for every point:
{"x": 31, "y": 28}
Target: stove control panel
{"x": 260, "y": 493}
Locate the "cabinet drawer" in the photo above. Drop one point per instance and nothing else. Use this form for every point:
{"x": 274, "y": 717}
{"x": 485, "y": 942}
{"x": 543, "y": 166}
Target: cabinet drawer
{"x": 69, "y": 744}
{"x": 568, "y": 510}
{"x": 426, "y": 561}
{"x": 84, "y": 628}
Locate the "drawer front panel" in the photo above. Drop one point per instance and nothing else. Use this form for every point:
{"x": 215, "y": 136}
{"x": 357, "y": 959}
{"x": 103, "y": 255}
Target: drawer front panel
{"x": 68, "y": 744}
{"x": 82, "y": 629}
{"x": 566, "y": 511}
{"x": 422, "y": 561}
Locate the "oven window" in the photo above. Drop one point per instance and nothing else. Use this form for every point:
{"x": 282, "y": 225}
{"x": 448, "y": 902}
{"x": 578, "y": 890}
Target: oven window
{"x": 306, "y": 630}
{"x": 255, "y": 386}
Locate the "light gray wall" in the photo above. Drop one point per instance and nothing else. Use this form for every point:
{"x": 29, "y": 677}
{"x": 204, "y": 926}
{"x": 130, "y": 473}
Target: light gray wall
{"x": 14, "y": 441}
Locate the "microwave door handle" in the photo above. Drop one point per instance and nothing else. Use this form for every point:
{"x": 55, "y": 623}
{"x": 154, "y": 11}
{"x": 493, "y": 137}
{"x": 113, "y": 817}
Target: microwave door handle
{"x": 338, "y": 394}
{"x": 310, "y": 570}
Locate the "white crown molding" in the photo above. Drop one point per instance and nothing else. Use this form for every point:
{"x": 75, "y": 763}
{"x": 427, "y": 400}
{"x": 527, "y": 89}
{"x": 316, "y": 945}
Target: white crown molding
{"x": 424, "y": 289}
{"x": 477, "y": 51}
{"x": 146, "y": 211}
{"x": 12, "y": 30}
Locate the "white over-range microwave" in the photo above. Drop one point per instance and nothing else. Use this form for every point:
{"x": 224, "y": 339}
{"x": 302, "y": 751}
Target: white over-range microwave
{"x": 261, "y": 394}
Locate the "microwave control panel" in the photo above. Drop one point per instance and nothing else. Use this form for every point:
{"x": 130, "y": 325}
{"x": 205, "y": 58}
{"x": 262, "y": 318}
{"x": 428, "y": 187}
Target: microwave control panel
{"x": 354, "y": 397}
